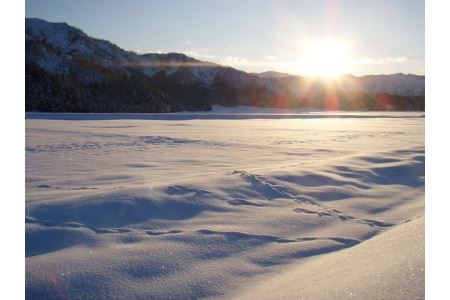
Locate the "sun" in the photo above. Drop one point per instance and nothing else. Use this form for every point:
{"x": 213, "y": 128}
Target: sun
{"x": 324, "y": 59}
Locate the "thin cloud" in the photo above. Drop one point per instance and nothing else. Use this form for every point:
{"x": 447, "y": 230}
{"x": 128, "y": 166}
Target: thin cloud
{"x": 234, "y": 61}
{"x": 200, "y": 53}
{"x": 270, "y": 57}
{"x": 240, "y": 62}
{"x": 159, "y": 51}
{"x": 377, "y": 61}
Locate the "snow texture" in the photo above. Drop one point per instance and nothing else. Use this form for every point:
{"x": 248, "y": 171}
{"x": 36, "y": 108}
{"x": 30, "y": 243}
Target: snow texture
{"x": 220, "y": 205}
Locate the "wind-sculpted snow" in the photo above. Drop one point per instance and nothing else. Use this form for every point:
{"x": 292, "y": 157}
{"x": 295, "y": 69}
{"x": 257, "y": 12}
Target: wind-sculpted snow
{"x": 188, "y": 209}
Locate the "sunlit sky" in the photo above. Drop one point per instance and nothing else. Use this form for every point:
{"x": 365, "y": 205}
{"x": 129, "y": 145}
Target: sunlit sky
{"x": 306, "y": 37}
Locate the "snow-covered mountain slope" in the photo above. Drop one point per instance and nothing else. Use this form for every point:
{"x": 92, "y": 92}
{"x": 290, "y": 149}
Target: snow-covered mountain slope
{"x": 170, "y": 63}
{"x": 272, "y": 74}
{"x": 393, "y": 84}
{"x": 63, "y": 43}
{"x": 60, "y": 44}
{"x": 76, "y": 64}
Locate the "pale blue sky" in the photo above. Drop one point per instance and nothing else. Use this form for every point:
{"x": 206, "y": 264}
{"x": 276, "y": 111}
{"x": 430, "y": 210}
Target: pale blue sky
{"x": 380, "y": 37}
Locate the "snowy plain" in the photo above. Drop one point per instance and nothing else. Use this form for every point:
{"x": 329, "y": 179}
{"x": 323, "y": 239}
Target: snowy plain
{"x": 248, "y": 204}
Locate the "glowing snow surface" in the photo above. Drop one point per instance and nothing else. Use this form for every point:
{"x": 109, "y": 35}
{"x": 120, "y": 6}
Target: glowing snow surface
{"x": 206, "y": 205}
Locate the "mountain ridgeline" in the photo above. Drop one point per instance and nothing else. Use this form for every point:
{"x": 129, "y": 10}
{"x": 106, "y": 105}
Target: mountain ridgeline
{"x": 68, "y": 71}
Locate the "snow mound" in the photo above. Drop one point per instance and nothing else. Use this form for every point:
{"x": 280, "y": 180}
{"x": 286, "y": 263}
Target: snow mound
{"x": 391, "y": 265}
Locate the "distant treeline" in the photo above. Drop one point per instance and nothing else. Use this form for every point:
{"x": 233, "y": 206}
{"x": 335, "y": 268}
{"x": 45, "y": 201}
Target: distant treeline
{"x": 135, "y": 92}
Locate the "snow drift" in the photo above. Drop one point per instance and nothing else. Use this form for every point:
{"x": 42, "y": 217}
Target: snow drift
{"x": 200, "y": 208}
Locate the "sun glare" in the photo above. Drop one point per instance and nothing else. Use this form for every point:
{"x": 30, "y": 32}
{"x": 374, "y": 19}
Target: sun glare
{"x": 325, "y": 59}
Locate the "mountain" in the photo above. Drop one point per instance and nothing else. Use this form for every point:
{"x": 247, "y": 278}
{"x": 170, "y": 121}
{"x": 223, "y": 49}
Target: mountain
{"x": 272, "y": 74}
{"x": 67, "y": 70}
{"x": 394, "y": 84}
